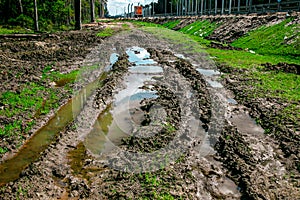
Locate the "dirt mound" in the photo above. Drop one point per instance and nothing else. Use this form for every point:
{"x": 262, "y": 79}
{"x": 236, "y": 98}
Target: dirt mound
{"x": 283, "y": 67}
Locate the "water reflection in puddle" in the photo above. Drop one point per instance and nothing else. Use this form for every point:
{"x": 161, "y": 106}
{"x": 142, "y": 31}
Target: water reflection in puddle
{"x": 214, "y": 84}
{"x": 113, "y": 59}
{"x": 119, "y": 119}
{"x": 232, "y": 101}
{"x": 208, "y": 72}
{"x": 139, "y": 56}
{"x": 180, "y": 56}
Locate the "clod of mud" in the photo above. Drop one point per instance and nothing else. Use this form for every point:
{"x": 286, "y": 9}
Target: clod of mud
{"x": 283, "y": 67}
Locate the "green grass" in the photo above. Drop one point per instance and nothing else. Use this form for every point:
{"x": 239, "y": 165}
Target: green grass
{"x": 13, "y": 30}
{"x": 125, "y": 27}
{"x": 200, "y": 28}
{"x": 243, "y": 59}
{"x": 3, "y": 150}
{"x": 107, "y": 32}
{"x": 32, "y": 100}
{"x": 145, "y": 24}
{"x": 31, "y": 96}
{"x": 278, "y": 84}
{"x": 171, "y": 24}
{"x": 278, "y": 39}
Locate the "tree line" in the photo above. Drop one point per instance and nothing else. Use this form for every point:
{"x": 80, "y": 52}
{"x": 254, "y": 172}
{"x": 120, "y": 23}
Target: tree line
{"x": 46, "y": 15}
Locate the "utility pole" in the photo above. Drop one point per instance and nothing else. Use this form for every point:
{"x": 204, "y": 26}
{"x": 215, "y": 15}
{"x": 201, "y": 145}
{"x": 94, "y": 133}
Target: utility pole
{"x": 77, "y": 14}
{"x": 36, "y": 18}
{"x": 239, "y": 5}
{"x": 153, "y": 8}
{"x": 128, "y": 9}
{"x": 230, "y": 2}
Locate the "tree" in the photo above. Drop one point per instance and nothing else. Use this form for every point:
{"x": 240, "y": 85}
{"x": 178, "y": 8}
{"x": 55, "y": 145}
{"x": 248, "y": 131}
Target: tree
{"x": 92, "y": 7}
{"x": 78, "y": 14}
{"x": 36, "y": 19}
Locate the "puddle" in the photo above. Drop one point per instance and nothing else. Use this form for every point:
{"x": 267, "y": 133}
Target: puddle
{"x": 119, "y": 119}
{"x": 139, "y": 56}
{"x": 246, "y": 124}
{"x": 11, "y": 168}
{"x": 214, "y": 84}
{"x": 208, "y": 72}
{"x": 232, "y": 101}
{"x": 180, "y": 56}
{"x": 62, "y": 82}
{"x": 146, "y": 69}
{"x": 113, "y": 59}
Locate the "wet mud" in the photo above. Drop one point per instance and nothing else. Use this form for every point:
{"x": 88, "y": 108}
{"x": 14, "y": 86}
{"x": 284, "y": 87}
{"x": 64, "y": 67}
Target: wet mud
{"x": 160, "y": 124}
{"x": 283, "y": 67}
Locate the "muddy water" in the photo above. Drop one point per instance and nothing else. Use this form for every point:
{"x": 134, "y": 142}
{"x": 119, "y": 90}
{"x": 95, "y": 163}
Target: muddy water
{"x": 11, "y": 169}
{"x": 120, "y": 118}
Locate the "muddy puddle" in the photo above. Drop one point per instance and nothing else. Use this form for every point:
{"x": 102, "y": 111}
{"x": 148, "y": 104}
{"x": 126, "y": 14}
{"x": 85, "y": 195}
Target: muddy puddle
{"x": 124, "y": 114}
{"x": 10, "y": 169}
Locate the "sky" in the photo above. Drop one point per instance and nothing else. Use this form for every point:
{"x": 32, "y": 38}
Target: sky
{"x": 117, "y": 6}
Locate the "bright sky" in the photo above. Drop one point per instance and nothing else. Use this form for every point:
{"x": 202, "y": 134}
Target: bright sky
{"x": 117, "y": 6}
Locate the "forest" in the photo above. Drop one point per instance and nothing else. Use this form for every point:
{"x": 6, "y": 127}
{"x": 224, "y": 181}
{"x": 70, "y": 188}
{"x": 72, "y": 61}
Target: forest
{"x": 54, "y": 14}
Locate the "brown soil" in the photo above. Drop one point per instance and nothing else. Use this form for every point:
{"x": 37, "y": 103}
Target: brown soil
{"x": 245, "y": 163}
{"x": 283, "y": 67}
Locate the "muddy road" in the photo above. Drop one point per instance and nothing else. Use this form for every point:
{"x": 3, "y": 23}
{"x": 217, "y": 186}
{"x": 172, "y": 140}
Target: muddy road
{"x": 150, "y": 121}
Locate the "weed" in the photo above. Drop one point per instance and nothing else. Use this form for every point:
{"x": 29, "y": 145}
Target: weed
{"x": 146, "y": 24}
{"x": 107, "y": 32}
{"x": 125, "y": 27}
{"x": 3, "y": 150}
{"x": 21, "y": 192}
{"x": 13, "y": 30}
{"x": 169, "y": 127}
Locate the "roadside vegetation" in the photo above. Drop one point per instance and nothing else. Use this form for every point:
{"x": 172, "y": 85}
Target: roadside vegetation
{"x": 20, "y": 109}
{"x": 259, "y": 70}
{"x": 281, "y": 39}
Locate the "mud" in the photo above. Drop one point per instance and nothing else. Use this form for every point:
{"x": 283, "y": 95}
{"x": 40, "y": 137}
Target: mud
{"x": 283, "y": 67}
{"x": 26, "y": 61}
{"x": 201, "y": 140}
